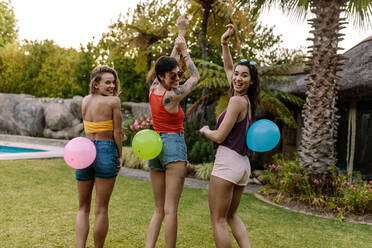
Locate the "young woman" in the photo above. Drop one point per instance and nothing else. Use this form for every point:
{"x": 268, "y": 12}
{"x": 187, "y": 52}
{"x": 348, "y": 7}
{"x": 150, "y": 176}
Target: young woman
{"x": 101, "y": 111}
{"x": 167, "y": 171}
{"x": 231, "y": 168}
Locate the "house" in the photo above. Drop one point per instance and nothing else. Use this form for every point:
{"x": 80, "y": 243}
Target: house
{"x": 354, "y": 143}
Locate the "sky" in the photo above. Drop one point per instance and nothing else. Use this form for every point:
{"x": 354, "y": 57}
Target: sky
{"x": 73, "y": 22}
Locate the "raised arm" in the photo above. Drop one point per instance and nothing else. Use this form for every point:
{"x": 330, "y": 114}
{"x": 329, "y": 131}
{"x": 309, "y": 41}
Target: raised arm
{"x": 227, "y": 59}
{"x": 183, "y": 90}
{"x": 182, "y": 24}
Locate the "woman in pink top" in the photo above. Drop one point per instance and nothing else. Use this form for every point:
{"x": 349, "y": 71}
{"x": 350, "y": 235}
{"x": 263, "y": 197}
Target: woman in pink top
{"x": 168, "y": 170}
{"x": 231, "y": 168}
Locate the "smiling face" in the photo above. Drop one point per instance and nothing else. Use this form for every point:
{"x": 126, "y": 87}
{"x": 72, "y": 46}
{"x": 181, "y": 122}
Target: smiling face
{"x": 106, "y": 86}
{"x": 241, "y": 80}
{"x": 170, "y": 79}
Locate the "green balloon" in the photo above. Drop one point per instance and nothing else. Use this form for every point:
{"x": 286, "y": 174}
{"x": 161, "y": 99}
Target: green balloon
{"x": 147, "y": 144}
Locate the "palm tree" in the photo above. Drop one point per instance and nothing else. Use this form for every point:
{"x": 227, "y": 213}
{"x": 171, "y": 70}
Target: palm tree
{"x": 317, "y": 149}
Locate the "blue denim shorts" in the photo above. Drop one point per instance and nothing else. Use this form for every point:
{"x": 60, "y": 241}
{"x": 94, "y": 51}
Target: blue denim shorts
{"x": 105, "y": 164}
{"x": 174, "y": 149}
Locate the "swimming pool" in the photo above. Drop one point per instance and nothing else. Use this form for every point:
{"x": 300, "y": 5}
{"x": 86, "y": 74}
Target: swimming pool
{"x": 10, "y": 149}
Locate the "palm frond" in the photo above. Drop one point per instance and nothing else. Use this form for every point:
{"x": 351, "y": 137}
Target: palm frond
{"x": 276, "y": 107}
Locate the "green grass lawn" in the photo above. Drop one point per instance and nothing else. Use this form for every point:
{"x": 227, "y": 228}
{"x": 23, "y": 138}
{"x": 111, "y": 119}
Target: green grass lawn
{"x": 38, "y": 204}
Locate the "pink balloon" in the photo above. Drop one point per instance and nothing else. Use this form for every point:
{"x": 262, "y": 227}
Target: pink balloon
{"x": 79, "y": 153}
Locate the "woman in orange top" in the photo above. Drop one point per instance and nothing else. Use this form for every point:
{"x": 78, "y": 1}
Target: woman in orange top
{"x": 168, "y": 170}
{"x": 101, "y": 111}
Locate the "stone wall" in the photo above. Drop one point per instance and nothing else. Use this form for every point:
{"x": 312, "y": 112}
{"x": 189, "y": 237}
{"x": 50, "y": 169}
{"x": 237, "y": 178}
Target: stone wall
{"x": 49, "y": 117}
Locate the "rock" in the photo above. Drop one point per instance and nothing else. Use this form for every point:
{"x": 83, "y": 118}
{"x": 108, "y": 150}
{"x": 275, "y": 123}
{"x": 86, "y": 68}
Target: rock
{"x": 67, "y": 133}
{"x": 258, "y": 172}
{"x": 29, "y": 116}
{"x": 57, "y": 116}
{"x": 260, "y": 178}
{"x": 250, "y": 181}
{"x": 139, "y": 109}
{"x": 75, "y": 107}
{"x": 21, "y": 114}
{"x": 256, "y": 181}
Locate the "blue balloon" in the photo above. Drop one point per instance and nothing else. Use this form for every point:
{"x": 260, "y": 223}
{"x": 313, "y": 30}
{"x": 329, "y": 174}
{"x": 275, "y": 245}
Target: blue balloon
{"x": 263, "y": 136}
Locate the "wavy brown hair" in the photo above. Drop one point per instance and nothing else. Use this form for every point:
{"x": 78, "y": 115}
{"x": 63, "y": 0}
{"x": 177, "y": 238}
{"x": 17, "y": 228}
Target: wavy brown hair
{"x": 96, "y": 76}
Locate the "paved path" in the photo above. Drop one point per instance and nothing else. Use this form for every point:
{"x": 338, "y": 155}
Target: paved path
{"x": 189, "y": 182}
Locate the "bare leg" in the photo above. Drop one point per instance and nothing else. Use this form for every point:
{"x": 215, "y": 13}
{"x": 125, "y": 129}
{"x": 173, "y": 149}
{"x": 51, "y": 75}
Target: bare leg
{"x": 158, "y": 188}
{"x": 237, "y": 226}
{"x": 104, "y": 189}
{"x": 174, "y": 179}
{"x": 220, "y": 193}
{"x": 82, "y": 218}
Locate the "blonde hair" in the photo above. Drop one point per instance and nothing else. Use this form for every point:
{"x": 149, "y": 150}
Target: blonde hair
{"x": 96, "y": 76}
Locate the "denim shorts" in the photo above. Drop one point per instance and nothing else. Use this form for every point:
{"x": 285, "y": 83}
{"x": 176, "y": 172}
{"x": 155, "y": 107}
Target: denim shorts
{"x": 105, "y": 164}
{"x": 174, "y": 149}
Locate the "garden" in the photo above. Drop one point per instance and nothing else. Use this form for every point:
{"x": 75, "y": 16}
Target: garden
{"x": 39, "y": 202}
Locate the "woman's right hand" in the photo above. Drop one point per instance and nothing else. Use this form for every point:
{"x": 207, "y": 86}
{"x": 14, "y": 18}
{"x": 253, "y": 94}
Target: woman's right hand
{"x": 229, "y": 32}
{"x": 180, "y": 44}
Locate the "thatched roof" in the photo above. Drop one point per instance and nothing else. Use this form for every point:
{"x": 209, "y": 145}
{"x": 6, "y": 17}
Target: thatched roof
{"x": 356, "y": 77}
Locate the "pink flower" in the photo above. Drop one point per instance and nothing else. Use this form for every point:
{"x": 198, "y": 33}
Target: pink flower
{"x": 352, "y": 188}
{"x": 366, "y": 198}
{"x": 316, "y": 181}
{"x": 370, "y": 182}
{"x": 281, "y": 182}
{"x": 131, "y": 127}
{"x": 271, "y": 167}
{"x": 295, "y": 176}
{"x": 370, "y": 190}
{"x": 278, "y": 168}
{"x": 344, "y": 184}
{"x": 136, "y": 126}
{"x": 357, "y": 186}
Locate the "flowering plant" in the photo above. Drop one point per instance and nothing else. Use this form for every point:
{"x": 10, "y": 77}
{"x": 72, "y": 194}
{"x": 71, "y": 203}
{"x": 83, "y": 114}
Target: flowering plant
{"x": 141, "y": 123}
{"x": 337, "y": 192}
{"x": 133, "y": 125}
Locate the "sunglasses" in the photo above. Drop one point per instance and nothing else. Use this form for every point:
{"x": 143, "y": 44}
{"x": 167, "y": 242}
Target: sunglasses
{"x": 250, "y": 62}
{"x": 173, "y": 75}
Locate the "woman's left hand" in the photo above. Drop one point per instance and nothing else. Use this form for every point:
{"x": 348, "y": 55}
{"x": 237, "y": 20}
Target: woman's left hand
{"x": 120, "y": 162}
{"x": 203, "y": 129}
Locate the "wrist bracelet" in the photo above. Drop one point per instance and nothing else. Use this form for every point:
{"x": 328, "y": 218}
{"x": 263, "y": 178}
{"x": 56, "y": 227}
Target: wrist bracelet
{"x": 186, "y": 57}
{"x": 223, "y": 43}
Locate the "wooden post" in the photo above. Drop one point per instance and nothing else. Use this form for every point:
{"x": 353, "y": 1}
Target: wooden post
{"x": 351, "y": 139}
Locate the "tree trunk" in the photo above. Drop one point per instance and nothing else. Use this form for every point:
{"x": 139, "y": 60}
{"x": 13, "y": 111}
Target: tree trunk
{"x": 317, "y": 150}
{"x": 203, "y": 37}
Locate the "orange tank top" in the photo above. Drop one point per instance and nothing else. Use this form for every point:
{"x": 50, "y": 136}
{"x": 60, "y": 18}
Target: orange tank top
{"x": 165, "y": 122}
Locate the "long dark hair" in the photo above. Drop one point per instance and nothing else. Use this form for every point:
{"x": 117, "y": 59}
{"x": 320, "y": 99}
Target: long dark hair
{"x": 254, "y": 89}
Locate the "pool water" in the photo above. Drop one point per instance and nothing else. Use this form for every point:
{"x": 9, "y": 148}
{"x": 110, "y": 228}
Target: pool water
{"x": 10, "y": 149}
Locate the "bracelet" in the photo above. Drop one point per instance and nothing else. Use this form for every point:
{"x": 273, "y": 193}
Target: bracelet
{"x": 186, "y": 58}
{"x": 223, "y": 43}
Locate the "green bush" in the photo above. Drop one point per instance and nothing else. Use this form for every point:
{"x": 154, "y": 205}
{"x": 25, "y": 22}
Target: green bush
{"x": 203, "y": 171}
{"x": 337, "y": 192}
{"x": 199, "y": 148}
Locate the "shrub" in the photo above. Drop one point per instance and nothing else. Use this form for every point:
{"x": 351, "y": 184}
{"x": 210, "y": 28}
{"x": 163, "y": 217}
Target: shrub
{"x": 203, "y": 171}
{"x": 130, "y": 160}
{"x": 334, "y": 191}
{"x": 133, "y": 125}
{"x": 199, "y": 148}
